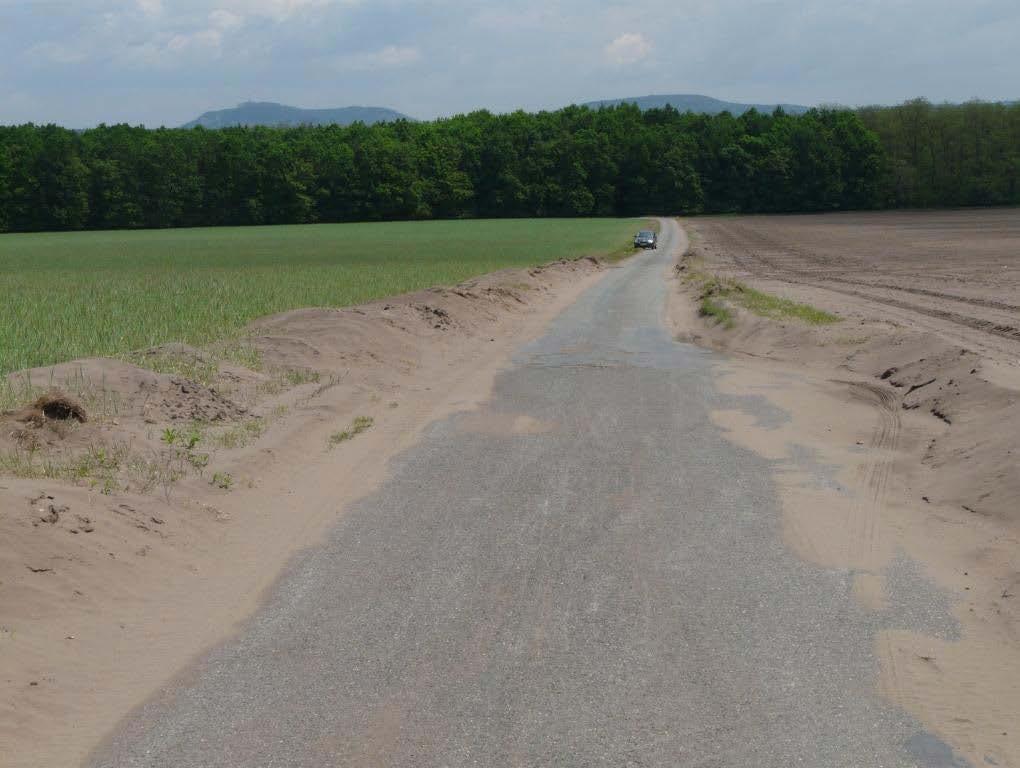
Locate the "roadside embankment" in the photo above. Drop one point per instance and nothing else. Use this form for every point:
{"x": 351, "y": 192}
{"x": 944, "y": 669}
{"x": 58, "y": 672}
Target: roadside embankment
{"x": 142, "y": 522}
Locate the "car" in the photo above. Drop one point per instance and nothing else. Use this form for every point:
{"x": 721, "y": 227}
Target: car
{"x": 646, "y": 239}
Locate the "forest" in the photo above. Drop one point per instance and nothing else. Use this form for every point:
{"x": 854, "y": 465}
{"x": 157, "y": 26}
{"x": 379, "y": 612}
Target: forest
{"x": 616, "y": 161}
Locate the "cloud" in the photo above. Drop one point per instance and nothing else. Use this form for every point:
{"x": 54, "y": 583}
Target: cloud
{"x": 150, "y": 7}
{"x": 222, "y": 19}
{"x": 281, "y": 10}
{"x": 50, "y": 52}
{"x": 86, "y": 61}
{"x": 628, "y": 48}
{"x": 200, "y": 40}
{"x": 388, "y": 57}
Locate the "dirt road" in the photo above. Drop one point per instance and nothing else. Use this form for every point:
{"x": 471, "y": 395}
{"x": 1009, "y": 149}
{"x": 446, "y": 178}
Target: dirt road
{"x": 585, "y": 570}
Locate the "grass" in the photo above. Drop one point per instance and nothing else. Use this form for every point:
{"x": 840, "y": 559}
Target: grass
{"x": 103, "y": 468}
{"x": 718, "y": 294}
{"x": 359, "y": 425}
{"x": 101, "y": 404}
{"x": 776, "y": 308}
{"x": 717, "y": 311}
{"x": 80, "y": 294}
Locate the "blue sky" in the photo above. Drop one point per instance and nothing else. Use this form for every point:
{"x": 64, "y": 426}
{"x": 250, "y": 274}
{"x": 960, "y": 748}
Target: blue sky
{"x": 156, "y": 62}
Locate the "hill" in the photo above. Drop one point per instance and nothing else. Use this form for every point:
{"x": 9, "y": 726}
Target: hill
{"x": 271, "y": 114}
{"x": 696, "y": 103}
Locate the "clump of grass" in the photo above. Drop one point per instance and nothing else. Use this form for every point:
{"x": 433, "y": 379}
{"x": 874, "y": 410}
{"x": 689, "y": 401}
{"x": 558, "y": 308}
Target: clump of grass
{"x": 716, "y": 310}
{"x": 283, "y": 379}
{"x": 200, "y": 366}
{"x": 100, "y": 403}
{"x": 200, "y": 369}
{"x": 359, "y": 425}
{"x": 17, "y": 391}
{"x": 222, "y": 480}
{"x": 777, "y": 308}
{"x": 238, "y": 435}
{"x": 98, "y": 467}
{"x": 240, "y": 352}
{"x": 716, "y": 292}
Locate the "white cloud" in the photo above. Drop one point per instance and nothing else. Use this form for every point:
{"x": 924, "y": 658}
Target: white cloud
{"x": 628, "y": 48}
{"x": 56, "y": 53}
{"x": 222, "y": 19}
{"x": 388, "y": 57}
{"x": 150, "y": 7}
{"x": 281, "y": 10}
{"x": 203, "y": 39}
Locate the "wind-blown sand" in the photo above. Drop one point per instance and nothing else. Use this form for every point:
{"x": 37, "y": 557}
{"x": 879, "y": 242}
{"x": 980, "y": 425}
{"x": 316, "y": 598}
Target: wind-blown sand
{"x": 106, "y": 592}
{"x": 903, "y": 434}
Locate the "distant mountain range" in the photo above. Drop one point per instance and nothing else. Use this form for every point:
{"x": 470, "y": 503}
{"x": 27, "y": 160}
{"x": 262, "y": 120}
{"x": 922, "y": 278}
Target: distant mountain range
{"x": 685, "y": 102}
{"x": 275, "y": 115}
{"x": 271, "y": 114}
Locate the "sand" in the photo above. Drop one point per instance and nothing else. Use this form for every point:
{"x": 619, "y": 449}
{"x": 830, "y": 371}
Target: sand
{"x": 106, "y": 593}
{"x": 902, "y": 431}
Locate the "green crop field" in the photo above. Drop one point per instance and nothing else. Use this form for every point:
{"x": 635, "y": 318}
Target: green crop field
{"x": 81, "y": 294}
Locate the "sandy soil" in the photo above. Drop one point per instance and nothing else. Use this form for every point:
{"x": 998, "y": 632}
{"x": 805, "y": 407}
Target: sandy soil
{"x": 112, "y": 580}
{"x": 903, "y": 433}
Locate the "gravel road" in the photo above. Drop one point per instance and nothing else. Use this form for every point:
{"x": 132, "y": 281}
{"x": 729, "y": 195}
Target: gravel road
{"x": 582, "y": 573}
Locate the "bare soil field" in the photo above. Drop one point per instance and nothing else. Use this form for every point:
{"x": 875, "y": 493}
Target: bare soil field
{"x": 930, "y": 303}
{"x": 892, "y": 340}
{"x": 143, "y": 514}
{"x": 955, "y": 273}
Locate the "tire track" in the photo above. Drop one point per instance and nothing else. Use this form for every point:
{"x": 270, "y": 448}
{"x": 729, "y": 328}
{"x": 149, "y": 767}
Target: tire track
{"x": 875, "y": 472}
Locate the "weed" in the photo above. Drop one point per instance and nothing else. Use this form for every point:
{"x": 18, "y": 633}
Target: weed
{"x": 222, "y": 480}
{"x": 716, "y": 291}
{"x": 777, "y": 308}
{"x": 199, "y": 461}
{"x": 240, "y": 352}
{"x": 283, "y": 379}
{"x": 716, "y": 310}
{"x": 199, "y": 369}
{"x": 239, "y": 435}
{"x": 170, "y": 436}
{"x": 359, "y": 425}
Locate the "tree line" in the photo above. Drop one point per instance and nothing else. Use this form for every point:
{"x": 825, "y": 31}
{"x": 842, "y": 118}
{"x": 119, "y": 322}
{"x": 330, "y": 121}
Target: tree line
{"x": 938, "y": 156}
{"x": 572, "y": 162}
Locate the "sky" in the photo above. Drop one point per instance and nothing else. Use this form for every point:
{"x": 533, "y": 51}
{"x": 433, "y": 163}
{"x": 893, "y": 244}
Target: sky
{"x": 163, "y": 62}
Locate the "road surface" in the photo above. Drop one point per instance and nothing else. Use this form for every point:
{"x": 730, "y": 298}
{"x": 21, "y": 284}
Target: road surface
{"x": 583, "y": 573}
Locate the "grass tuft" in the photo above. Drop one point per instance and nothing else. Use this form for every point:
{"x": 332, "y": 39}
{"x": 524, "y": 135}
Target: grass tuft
{"x": 359, "y": 425}
{"x": 777, "y": 308}
{"x": 716, "y": 310}
{"x": 716, "y": 293}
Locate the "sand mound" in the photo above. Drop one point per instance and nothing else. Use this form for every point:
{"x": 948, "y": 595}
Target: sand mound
{"x": 59, "y": 407}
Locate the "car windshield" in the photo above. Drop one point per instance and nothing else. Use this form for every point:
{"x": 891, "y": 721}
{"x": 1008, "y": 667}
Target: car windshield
{"x": 645, "y": 234}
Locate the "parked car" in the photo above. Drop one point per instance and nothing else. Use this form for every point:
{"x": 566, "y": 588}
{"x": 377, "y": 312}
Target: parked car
{"x": 646, "y": 239}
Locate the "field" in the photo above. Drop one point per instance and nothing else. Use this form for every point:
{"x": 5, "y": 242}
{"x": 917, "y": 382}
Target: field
{"x": 911, "y": 396}
{"x": 71, "y": 295}
{"x": 955, "y": 274}
{"x": 929, "y": 308}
